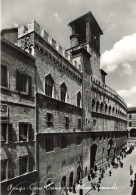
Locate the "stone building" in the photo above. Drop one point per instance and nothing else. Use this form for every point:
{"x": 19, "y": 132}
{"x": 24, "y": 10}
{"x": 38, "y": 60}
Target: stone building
{"x": 17, "y": 114}
{"x": 76, "y": 119}
{"x": 131, "y": 123}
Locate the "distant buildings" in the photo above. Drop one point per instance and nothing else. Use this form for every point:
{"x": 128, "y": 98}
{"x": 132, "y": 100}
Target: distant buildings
{"x": 58, "y": 116}
{"x": 131, "y": 124}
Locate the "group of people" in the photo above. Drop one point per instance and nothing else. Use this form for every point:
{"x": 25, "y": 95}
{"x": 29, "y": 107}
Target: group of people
{"x": 93, "y": 174}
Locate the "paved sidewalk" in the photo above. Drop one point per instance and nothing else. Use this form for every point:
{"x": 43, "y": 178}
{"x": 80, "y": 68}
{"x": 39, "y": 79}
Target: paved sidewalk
{"x": 119, "y": 180}
{"x": 86, "y": 185}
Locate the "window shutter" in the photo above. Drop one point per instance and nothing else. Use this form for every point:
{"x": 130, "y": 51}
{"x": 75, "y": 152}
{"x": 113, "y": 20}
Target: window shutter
{"x": 4, "y": 79}
{"x": 30, "y": 164}
{"x": 10, "y": 171}
{"x": 31, "y": 133}
{"x": 30, "y": 85}
{"x": 10, "y": 132}
{"x": 17, "y": 80}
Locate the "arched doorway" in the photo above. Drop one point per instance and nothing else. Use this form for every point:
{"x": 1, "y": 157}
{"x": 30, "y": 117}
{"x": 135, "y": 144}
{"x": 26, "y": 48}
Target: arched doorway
{"x": 79, "y": 173}
{"x": 133, "y": 133}
{"x": 63, "y": 182}
{"x": 63, "y": 185}
{"x": 71, "y": 180}
{"x": 93, "y": 150}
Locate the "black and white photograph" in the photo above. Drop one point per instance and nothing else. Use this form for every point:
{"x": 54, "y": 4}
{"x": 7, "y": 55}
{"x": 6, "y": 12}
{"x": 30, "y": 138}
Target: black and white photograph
{"x": 68, "y": 97}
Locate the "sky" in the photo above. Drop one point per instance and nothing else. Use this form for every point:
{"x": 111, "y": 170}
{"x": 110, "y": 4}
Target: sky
{"x": 117, "y": 19}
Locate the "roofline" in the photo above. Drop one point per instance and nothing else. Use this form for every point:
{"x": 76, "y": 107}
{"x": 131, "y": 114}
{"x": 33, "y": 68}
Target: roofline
{"x": 89, "y": 14}
{"x": 18, "y": 49}
{"x": 103, "y": 71}
{"x": 3, "y": 31}
{"x": 131, "y": 109}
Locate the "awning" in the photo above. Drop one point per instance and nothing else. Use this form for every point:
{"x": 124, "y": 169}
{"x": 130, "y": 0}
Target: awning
{"x": 3, "y": 155}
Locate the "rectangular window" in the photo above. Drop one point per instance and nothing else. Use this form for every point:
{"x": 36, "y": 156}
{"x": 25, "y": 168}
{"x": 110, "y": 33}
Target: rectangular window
{"x": 67, "y": 122}
{"x": 3, "y": 170}
{"x": 23, "y": 83}
{"x": 63, "y": 141}
{"x": 10, "y": 170}
{"x": 79, "y": 139}
{"x": 49, "y": 120}
{"x": 4, "y": 130}
{"x": 49, "y": 143}
{"x": 25, "y": 132}
{"x": 4, "y": 76}
{"x": 79, "y": 123}
{"x": 23, "y": 165}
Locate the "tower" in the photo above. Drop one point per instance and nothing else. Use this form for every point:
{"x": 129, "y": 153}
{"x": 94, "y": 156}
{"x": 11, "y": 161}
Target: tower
{"x": 86, "y": 37}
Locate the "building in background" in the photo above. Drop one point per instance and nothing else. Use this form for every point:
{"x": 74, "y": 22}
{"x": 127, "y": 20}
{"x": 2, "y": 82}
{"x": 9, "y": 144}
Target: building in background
{"x": 131, "y": 125}
{"x": 64, "y": 116}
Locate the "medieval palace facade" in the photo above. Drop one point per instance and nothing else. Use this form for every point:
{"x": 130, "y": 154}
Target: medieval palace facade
{"x": 58, "y": 117}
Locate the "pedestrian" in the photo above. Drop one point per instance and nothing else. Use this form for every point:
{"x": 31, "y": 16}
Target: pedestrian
{"x": 110, "y": 173}
{"x": 102, "y": 175}
{"x": 80, "y": 182}
{"x": 131, "y": 171}
{"x": 131, "y": 182}
{"x": 109, "y": 164}
{"x": 92, "y": 175}
{"x": 100, "y": 169}
{"x": 95, "y": 167}
{"x": 74, "y": 189}
{"x": 99, "y": 179}
{"x": 89, "y": 178}
{"x": 94, "y": 186}
{"x": 81, "y": 191}
{"x": 98, "y": 186}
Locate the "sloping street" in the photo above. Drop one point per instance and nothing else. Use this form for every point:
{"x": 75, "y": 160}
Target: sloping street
{"x": 119, "y": 181}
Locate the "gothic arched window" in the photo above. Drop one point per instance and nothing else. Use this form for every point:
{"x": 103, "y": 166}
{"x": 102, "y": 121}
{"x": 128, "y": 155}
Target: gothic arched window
{"x": 63, "y": 92}
{"x": 48, "y": 85}
{"x": 79, "y": 99}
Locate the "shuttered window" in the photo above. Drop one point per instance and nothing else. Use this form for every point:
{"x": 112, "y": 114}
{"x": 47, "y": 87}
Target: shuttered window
{"x": 63, "y": 91}
{"x": 4, "y": 132}
{"x": 63, "y": 140}
{"x": 23, "y": 83}
{"x": 23, "y": 165}
{"x": 48, "y": 86}
{"x": 3, "y": 170}
{"x": 49, "y": 143}
{"x": 25, "y": 132}
{"x": 4, "y": 76}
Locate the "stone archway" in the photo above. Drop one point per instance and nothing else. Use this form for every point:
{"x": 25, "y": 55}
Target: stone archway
{"x": 133, "y": 132}
{"x": 93, "y": 150}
